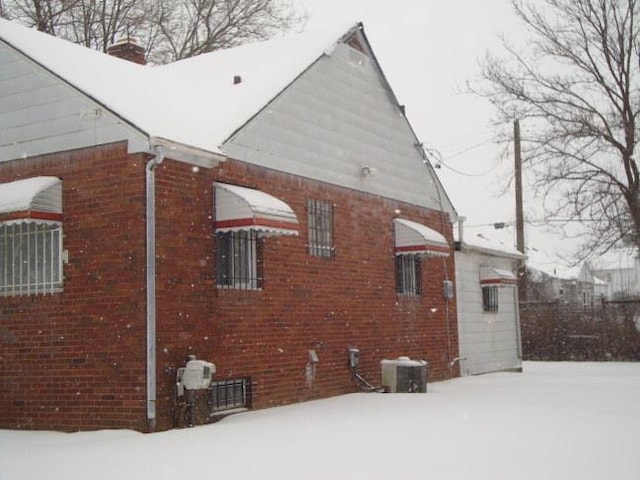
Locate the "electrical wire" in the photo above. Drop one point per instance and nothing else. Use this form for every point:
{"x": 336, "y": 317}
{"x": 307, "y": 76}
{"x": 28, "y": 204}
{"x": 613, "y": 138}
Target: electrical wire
{"x": 436, "y": 183}
{"x": 440, "y": 160}
{"x": 486, "y": 172}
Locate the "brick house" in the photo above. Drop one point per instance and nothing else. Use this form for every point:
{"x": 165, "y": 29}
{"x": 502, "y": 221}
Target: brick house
{"x": 265, "y": 208}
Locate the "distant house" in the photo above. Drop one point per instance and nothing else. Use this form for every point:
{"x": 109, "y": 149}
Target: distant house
{"x": 266, "y": 208}
{"x": 613, "y": 276}
{"x": 619, "y": 270}
{"x": 573, "y": 286}
{"x": 594, "y": 288}
{"x": 487, "y": 303}
{"x": 576, "y": 314}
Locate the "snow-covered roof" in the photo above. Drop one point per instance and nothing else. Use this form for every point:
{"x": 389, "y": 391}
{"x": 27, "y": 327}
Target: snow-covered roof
{"x": 599, "y": 281}
{"x": 166, "y": 101}
{"x": 558, "y": 271}
{"x": 491, "y": 241}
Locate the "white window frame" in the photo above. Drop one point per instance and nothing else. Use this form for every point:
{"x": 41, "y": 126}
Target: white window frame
{"x": 31, "y": 257}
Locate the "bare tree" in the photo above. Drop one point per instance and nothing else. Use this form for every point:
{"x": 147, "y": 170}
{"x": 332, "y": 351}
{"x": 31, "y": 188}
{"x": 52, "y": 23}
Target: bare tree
{"x": 576, "y": 88}
{"x": 94, "y": 23}
{"x": 99, "y": 23}
{"x": 46, "y": 15}
{"x": 193, "y": 27}
{"x": 169, "y": 29}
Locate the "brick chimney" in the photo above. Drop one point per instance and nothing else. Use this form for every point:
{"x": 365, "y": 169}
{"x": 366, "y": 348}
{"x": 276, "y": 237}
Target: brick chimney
{"x": 127, "y": 49}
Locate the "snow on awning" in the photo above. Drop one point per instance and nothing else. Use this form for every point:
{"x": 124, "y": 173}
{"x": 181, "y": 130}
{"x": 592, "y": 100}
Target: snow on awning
{"x": 240, "y": 208}
{"x": 497, "y": 277}
{"x": 36, "y": 198}
{"x": 415, "y": 238}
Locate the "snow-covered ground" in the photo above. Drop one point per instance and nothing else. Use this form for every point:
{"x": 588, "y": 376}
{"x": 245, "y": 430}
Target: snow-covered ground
{"x": 554, "y": 421}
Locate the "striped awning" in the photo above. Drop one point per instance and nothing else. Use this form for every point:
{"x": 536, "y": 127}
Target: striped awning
{"x": 36, "y": 198}
{"x": 415, "y": 238}
{"x": 241, "y": 208}
{"x": 497, "y": 276}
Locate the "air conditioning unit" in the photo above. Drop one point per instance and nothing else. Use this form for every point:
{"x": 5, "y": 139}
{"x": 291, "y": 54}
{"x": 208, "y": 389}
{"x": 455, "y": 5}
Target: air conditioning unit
{"x": 404, "y": 375}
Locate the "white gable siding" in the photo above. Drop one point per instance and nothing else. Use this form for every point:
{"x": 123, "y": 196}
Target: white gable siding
{"x": 489, "y": 341}
{"x": 337, "y": 117}
{"x": 41, "y": 114}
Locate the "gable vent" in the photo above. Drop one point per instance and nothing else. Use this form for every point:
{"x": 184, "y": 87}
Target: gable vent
{"x": 357, "y": 58}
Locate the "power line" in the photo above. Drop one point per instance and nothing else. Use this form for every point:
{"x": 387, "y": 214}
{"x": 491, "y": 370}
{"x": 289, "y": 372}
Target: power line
{"x": 468, "y": 149}
{"x": 440, "y": 162}
{"x": 464, "y": 173}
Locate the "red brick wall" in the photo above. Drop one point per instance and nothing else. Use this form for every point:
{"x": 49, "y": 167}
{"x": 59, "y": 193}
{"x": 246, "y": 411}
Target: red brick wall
{"x": 76, "y": 360}
{"x": 306, "y": 302}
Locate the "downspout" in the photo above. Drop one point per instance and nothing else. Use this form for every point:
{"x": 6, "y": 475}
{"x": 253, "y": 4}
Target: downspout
{"x": 151, "y": 285}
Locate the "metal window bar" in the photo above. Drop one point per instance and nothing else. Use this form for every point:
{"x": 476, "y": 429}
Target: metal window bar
{"x": 408, "y": 275}
{"x": 222, "y": 259}
{"x": 320, "y": 216}
{"x": 30, "y": 258}
{"x": 238, "y": 260}
{"x": 20, "y": 261}
{"x": 490, "y": 299}
{"x": 230, "y": 394}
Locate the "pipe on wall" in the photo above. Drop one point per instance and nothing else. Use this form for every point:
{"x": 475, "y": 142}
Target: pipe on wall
{"x": 196, "y": 158}
{"x": 151, "y": 284}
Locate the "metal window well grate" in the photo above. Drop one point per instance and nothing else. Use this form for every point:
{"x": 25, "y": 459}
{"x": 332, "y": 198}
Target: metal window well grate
{"x": 225, "y": 395}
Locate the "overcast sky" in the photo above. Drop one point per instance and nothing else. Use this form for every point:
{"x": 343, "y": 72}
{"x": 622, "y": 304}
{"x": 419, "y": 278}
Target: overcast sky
{"x": 428, "y": 50}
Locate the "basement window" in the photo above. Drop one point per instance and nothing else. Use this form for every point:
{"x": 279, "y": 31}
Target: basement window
{"x": 320, "y": 228}
{"x": 408, "y": 275}
{"x": 238, "y": 260}
{"x": 231, "y": 394}
{"x": 490, "y": 299}
{"x": 30, "y": 257}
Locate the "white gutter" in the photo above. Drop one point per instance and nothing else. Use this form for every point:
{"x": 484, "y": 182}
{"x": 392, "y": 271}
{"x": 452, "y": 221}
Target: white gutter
{"x": 151, "y": 284}
{"x": 182, "y": 153}
{"x": 186, "y": 153}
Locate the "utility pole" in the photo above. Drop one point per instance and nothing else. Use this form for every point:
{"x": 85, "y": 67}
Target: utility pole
{"x": 519, "y": 208}
{"x": 518, "y": 174}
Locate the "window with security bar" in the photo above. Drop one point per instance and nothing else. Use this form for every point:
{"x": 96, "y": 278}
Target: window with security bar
{"x": 238, "y": 260}
{"x": 30, "y": 257}
{"x": 408, "y": 275}
{"x": 320, "y": 228}
{"x": 490, "y": 298}
{"x": 230, "y": 394}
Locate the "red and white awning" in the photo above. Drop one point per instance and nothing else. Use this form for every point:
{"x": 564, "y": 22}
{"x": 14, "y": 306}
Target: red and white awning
{"x": 241, "y": 208}
{"x": 415, "y": 238}
{"x": 497, "y": 277}
{"x": 31, "y": 198}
